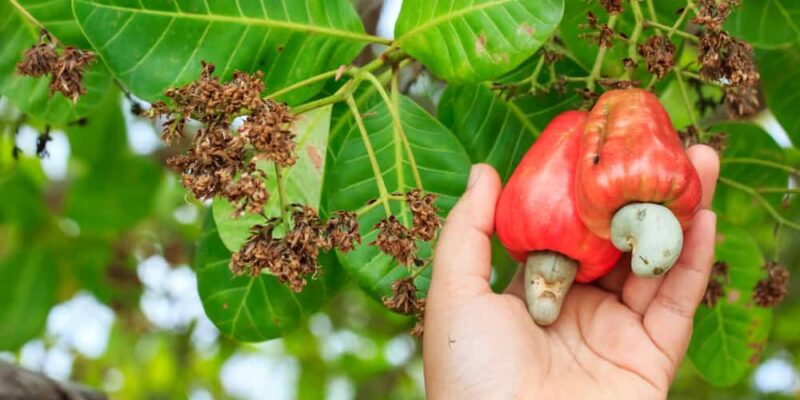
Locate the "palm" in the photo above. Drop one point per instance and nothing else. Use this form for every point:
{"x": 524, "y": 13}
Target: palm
{"x": 621, "y": 337}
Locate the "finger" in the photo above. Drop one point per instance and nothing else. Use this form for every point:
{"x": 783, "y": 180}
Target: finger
{"x": 463, "y": 254}
{"x": 638, "y": 293}
{"x": 613, "y": 281}
{"x": 706, "y": 162}
{"x": 669, "y": 317}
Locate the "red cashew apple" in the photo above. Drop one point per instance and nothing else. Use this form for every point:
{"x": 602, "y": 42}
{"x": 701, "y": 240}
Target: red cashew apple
{"x": 634, "y": 182}
{"x": 538, "y": 223}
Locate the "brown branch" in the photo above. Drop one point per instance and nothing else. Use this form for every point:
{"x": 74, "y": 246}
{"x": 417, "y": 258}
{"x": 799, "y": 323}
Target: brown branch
{"x": 18, "y": 384}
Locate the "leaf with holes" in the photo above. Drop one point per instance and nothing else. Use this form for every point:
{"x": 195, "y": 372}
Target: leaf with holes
{"x": 32, "y": 95}
{"x": 475, "y": 40}
{"x": 151, "y": 46}
{"x": 443, "y": 166}
{"x": 302, "y": 182}
{"x": 728, "y": 338}
{"x": 767, "y": 24}
{"x": 256, "y": 309}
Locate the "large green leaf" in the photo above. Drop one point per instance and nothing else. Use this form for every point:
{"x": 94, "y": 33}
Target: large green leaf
{"x": 255, "y": 309}
{"x": 781, "y": 83}
{"x": 492, "y": 130}
{"x": 31, "y": 95}
{"x": 728, "y": 339}
{"x": 475, "y": 40}
{"x": 56, "y": 16}
{"x": 302, "y": 182}
{"x": 153, "y": 45}
{"x": 443, "y": 166}
{"x": 749, "y": 141}
{"x": 116, "y": 189}
{"x": 23, "y": 203}
{"x": 767, "y": 24}
{"x": 28, "y": 283}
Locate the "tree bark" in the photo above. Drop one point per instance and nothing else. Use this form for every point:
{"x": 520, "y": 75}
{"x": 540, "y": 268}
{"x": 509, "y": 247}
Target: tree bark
{"x": 20, "y": 384}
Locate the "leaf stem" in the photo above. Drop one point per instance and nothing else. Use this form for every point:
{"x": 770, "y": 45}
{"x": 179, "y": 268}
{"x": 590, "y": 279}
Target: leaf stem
{"x": 393, "y": 104}
{"x": 313, "y": 105}
{"x": 598, "y": 61}
{"x": 687, "y": 102}
{"x": 763, "y": 163}
{"x": 651, "y": 9}
{"x": 307, "y": 82}
{"x": 376, "y": 170}
{"x": 764, "y": 203}
{"x": 673, "y": 31}
{"x": 282, "y": 195}
{"x": 378, "y": 202}
{"x": 633, "y": 51}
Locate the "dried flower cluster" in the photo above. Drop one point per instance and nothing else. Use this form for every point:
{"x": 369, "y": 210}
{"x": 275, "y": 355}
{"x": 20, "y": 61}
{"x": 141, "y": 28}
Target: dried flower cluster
{"x": 404, "y": 300}
{"x": 218, "y": 156}
{"x": 716, "y": 284}
{"x": 712, "y": 14}
{"x": 66, "y": 69}
{"x": 399, "y": 241}
{"x": 771, "y": 291}
{"x": 599, "y": 32}
{"x": 294, "y": 257}
{"x": 691, "y": 136}
{"x": 612, "y": 6}
{"x": 727, "y": 59}
{"x": 659, "y": 55}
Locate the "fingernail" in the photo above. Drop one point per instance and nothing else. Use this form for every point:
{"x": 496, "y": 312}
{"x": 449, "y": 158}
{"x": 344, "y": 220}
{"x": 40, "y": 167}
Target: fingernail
{"x": 474, "y": 176}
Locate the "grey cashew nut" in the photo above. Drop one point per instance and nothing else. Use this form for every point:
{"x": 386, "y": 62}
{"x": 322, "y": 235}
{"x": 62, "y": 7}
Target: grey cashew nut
{"x": 548, "y": 277}
{"x": 652, "y": 233}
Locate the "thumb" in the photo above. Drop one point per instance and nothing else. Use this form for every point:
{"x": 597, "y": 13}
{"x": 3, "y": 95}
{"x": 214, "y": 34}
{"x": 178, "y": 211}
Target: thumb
{"x": 462, "y": 263}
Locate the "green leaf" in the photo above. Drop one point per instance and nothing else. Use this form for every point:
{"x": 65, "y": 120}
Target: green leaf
{"x": 492, "y": 130}
{"x": 28, "y": 283}
{"x": 255, "y": 309}
{"x": 153, "y": 45}
{"x": 728, "y": 339}
{"x": 118, "y": 188}
{"x": 740, "y": 208}
{"x": 475, "y": 40}
{"x": 23, "y": 204}
{"x": 302, "y": 182}
{"x": 766, "y": 24}
{"x": 56, "y": 16}
{"x": 781, "y": 83}
{"x": 32, "y": 95}
{"x": 443, "y": 166}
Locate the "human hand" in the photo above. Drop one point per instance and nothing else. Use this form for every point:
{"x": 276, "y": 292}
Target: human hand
{"x": 620, "y": 337}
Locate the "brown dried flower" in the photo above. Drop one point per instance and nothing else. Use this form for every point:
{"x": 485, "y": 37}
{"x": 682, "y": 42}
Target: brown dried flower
{"x": 268, "y": 129}
{"x": 659, "y": 55}
{"x": 712, "y": 14}
{"x": 599, "y": 32}
{"x": 292, "y": 258}
{"x": 404, "y": 297}
{"x": 67, "y": 72}
{"x": 742, "y": 101}
{"x": 396, "y": 240}
{"x": 419, "y": 328}
{"x": 613, "y": 83}
{"x": 716, "y": 284}
{"x": 728, "y": 59}
{"x": 249, "y": 193}
{"x": 424, "y": 212}
{"x": 612, "y": 6}
{"x": 771, "y": 291}
{"x": 38, "y": 60}
{"x": 342, "y": 231}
